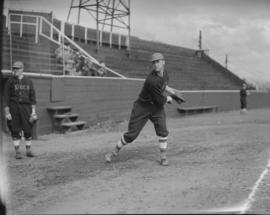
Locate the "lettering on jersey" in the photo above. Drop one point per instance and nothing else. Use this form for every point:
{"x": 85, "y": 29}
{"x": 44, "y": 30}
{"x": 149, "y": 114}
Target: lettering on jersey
{"x": 21, "y": 87}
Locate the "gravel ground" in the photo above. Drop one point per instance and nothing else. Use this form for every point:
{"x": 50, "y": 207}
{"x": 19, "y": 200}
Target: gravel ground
{"x": 215, "y": 160}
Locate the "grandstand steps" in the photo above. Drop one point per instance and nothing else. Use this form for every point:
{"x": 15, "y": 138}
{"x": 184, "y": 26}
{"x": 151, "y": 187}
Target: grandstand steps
{"x": 187, "y": 71}
{"x": 33, "y": 65}
{"x": 169, "y": 52}
{"x": 190, "y": 70}
{"x": 179, "y": 60}
{"x": 103, "y": 52}
{"x": 24, "y": 43}
{"x": 26, "y": 48}
{"x": 152, "y": 46}
{"x": 37, "y": 58}
{"x": 27, "y": 39}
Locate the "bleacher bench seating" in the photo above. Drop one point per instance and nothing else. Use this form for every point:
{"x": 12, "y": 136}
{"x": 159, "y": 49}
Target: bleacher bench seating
{"x": 197, "y": 109}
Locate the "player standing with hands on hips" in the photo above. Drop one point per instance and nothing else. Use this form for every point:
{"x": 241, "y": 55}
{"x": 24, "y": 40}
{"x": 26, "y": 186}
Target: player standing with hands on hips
{"x": 150, "y": 105}
{"x": 20, "y": 109}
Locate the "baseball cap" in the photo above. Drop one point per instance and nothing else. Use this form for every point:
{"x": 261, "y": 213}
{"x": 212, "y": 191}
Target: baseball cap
{"x": 157, "y": 56}
{"x": 17, "y": 64}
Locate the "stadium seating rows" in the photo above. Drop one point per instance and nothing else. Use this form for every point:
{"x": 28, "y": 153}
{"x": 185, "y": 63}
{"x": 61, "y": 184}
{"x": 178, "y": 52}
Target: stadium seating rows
{"x": 187, "y": 71}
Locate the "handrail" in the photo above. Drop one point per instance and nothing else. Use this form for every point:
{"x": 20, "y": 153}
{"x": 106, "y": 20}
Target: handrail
{"x": 39, "y": 26}
{"x": 42, "y": 19}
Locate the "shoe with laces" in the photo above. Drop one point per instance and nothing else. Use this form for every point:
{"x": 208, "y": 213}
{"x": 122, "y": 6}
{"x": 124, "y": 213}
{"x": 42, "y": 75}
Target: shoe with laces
{"x": 109, "y": 156}
{"x": 164, "y": 162}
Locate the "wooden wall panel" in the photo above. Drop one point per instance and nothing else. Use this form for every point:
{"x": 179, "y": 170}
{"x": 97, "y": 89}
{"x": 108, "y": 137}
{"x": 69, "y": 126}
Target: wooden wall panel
{"x": 43, "y": 89}
{"x": 99, "y": 99}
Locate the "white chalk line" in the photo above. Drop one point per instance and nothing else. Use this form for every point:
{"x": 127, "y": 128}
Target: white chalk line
{"x": 254, "y": 189}
{"x": 243, "y": 207}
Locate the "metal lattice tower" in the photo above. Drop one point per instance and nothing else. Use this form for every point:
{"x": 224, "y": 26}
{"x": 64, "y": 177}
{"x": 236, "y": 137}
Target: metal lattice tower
{"x": 110, "y": 14}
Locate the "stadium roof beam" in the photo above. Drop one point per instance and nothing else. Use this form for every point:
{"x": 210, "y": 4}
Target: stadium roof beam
{"x": 111, "y": 13}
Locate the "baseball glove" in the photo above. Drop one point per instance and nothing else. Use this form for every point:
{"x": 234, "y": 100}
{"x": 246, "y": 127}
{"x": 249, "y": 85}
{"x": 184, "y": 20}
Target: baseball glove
{"x": 179, "y": 99}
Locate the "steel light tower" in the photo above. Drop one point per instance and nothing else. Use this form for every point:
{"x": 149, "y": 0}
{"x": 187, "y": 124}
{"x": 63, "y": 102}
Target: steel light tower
{"x": 107, "y": 14}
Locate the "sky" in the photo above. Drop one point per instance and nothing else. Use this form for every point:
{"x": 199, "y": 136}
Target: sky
{"x": 239, "y": 29}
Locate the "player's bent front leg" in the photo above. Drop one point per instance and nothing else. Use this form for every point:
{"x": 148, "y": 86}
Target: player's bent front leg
{"x": 137, "y": 121}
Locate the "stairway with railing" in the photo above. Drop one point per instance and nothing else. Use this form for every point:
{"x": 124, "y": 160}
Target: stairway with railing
{"x": 37, "y": 58}
{"x": 32, "y": 38}
{"x": 187, "y": 71}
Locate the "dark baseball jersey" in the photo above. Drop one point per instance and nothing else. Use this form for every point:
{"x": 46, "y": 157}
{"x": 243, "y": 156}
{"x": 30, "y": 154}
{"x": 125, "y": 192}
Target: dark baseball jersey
{"x": 153, "y": 89}
{"x": 19, "y": 91}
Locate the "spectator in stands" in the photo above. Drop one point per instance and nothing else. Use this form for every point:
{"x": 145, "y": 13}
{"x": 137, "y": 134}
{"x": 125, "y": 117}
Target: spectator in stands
{"x": 85, "y": 69}
{"x": 79, "y": 62}
{"x": 20, "y": 108}
{"x": 59, "y": 54}
{"x": 88, "y": 68}
{"x": 243, "y": 98}
{"x": 70, "y": 59}
{"x": 63, "y": 53}
{"x": 102, "y": 70}
{"x": 70, "y": 68}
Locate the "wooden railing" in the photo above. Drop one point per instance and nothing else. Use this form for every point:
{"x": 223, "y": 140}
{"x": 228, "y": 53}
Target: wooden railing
{"x": 42, "y": 27}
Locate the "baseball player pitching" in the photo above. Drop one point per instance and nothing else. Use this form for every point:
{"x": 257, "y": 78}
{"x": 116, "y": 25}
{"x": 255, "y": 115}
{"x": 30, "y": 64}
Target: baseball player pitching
{"x": 20, "y": 109}
{"x": 150, "y": 106}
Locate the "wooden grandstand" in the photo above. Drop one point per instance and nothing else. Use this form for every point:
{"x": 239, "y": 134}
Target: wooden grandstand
{"x": 188, "y": 71}
{"x": 96, "y": 99}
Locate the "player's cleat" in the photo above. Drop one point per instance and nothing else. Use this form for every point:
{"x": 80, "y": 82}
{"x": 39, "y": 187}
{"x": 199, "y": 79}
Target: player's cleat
{"x": 243, "y": 111}
{"x": 109, "y": 156}
{"x": 164, "y": 162}
{"x": 18, "y": 155}
{"x": 29, "y": 153}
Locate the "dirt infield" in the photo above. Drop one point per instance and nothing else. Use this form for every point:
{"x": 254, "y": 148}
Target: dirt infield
{"x": 215, "y": 160}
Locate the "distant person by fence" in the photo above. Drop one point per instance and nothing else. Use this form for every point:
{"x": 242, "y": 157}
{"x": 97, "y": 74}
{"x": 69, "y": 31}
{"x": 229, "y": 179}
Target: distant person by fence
{"x": 243, "y": 98}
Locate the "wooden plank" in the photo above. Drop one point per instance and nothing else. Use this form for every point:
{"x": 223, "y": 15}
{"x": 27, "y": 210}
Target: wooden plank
{"x": 54, "y": 108}
{"x": 67, "y": 115}
{"x": 70, "y": 124}
{"x": 198, "y": 108}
